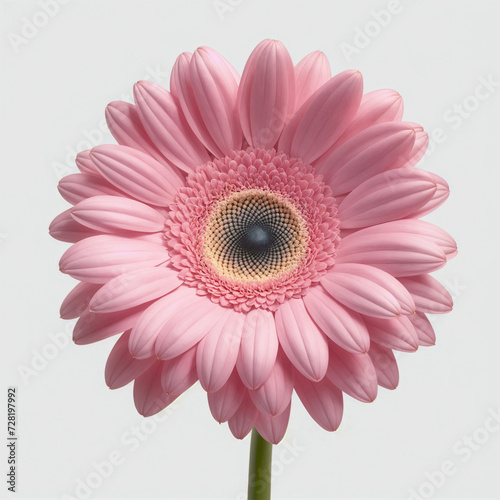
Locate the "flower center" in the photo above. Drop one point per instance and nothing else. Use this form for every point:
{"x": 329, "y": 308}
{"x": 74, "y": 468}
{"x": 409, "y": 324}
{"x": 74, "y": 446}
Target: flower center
{"x": 253, "y": 229}
{"x": 254, "y": 235}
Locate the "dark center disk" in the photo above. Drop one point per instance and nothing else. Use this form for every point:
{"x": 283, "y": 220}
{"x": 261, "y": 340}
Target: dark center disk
{"x": 256, "y": 238}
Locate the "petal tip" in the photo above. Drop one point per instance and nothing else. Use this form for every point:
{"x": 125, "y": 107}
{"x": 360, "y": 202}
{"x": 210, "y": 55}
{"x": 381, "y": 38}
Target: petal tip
{"x": 113, "y": 107}
{"x": 355, "y": 75}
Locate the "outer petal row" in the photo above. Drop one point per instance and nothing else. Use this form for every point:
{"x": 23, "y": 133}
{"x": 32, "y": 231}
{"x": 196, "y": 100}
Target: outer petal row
{"x": 368, "y": 290}
{"x": 311, "y": 73}
{"x": 206, "y": 87}
{"x": 99, "y": 258}
{"x": 167, "y": 127}
{"x": 137, "y": 174}
{"x": 379, "y": 148}
{"x": 266, "y": 95}
{"x": 323, "y": 117}
{"x": 125, "y": 124}
{"x": 388, "y": 196}
{"x": 304, "y": 344}
{"x": 397, "y": 253}
{"x": 110, "y": 214}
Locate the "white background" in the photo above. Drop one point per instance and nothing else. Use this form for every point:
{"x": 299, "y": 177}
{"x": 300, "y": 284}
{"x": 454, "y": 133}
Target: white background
{"x": 54, "y": 88}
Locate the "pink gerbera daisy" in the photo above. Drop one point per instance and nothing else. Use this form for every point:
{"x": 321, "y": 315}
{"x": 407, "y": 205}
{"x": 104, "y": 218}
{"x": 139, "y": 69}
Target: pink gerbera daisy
{"x": 261, "y": 236}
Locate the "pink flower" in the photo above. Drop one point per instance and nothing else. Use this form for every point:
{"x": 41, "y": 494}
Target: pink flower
{"x": 261, "y": 236}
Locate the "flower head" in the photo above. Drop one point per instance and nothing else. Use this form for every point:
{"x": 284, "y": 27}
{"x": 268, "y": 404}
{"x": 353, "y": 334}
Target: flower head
{"x": 261, "y": 236}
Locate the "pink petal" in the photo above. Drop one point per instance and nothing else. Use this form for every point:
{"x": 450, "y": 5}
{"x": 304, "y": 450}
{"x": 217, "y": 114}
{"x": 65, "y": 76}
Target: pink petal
{"x": 425, "y": 332}
{"x": 167, "y": 127}
{"x": 157, "y": 238}
{"x": 266, "y": 94}
{"x": 304, "y": 344}
{"x": 75, "y": 188}
{"x": 137, "y": 174}
{"x": 99, "y": 258}
{"x": 134, "y": 288}
{"x": 385, "y": 365}
{"x": 179, "y": 373}
{"x": 323, "y": 117}
{"x": 65, "y": 228}
{"x": 181, "y": 86}
{"x": 396, "y": 253}
{"x": 77, "y": 301}
{"x": 217, "y": 352}
{"x": 149, "y": 397}
{"x": 440, "y": 196}
{"x": 353, "y": 374}
{"x": 378, "y": 106}
{"x": 113, "y": 213}
{"x": 390, "y": 195}
{"x": 402, "y": 229}
{"x": 92, "y": 327}
{"x": 420, "y": 146}
{"x": 429, "y": 295}
{"x": 180, "y": 81}
{"x": 274, "y": 396}
{"x": 258, "y": 349}
{"x": 85, "y": 164}
{"x": 243, "y": 420}
{"x": 310, "y": 74}
{"x": 121, "y": 367}
{"x": 272, "y": 429}
{"x": 150, "y": 324}
{"x": 225, "y": 402}
{"x": 368, "y": 290}
{"x": 343, "y": 326}
{"x": 215, "y": 90}
{"x": 187, "y": 323}
{"x": 126, "y": 126}
{"x": 322, "y": 400}
{"x": 385, "y": 146}
{"x": 394, "y": 333}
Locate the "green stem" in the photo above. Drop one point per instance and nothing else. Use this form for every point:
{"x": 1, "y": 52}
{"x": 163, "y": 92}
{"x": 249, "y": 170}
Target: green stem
{"x": 259, "y": 471}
